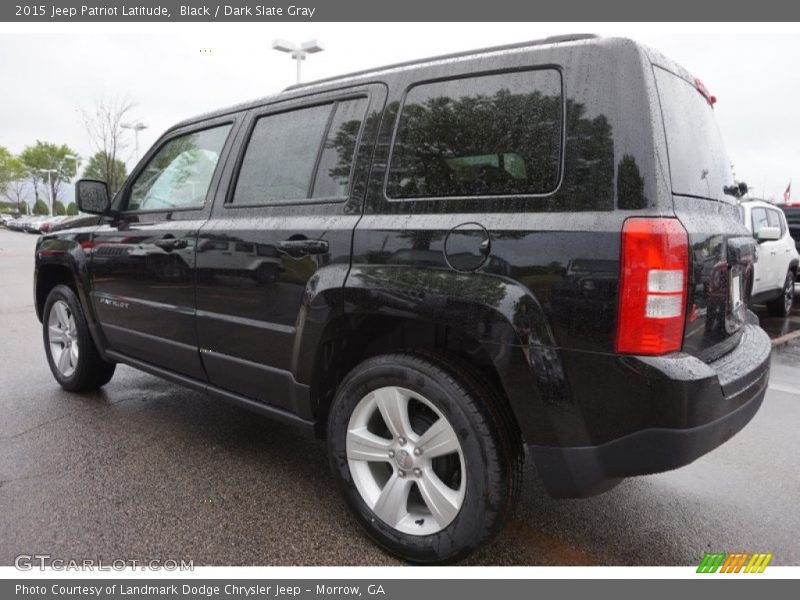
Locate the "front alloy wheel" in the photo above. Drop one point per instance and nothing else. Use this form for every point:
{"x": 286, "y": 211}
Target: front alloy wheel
{"x": 71, "y": 353}
{"x": 63, "y": 338}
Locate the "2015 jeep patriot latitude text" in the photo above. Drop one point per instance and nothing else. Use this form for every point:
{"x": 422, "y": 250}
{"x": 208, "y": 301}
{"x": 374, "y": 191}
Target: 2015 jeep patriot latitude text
{"x": 436, "y": 265}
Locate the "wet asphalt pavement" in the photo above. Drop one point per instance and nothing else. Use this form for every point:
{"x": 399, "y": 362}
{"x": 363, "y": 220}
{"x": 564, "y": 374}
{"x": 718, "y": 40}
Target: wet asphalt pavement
{"x": 145, "y": 469}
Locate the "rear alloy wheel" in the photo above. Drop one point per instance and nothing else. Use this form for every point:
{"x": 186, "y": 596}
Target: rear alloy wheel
{"x": 424, "y": 457}
{"x": 406, "y": 461}
{"x": 782, "y": 306}
{"x": 71, "y": 353}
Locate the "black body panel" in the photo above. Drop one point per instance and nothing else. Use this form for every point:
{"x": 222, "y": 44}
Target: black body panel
{"x": 270, "y": 302}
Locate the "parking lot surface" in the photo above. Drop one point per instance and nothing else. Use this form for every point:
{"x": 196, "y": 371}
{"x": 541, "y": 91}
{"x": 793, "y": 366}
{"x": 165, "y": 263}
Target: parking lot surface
{"x": 146, "y": 470}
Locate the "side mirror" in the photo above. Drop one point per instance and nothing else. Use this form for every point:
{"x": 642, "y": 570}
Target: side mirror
{"x": 768, "y": 234}
{"x": 92, "y": 196}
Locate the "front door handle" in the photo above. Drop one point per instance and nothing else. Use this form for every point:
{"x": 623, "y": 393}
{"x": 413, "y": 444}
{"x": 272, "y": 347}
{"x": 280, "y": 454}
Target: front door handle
{"x": 297, "y": 248}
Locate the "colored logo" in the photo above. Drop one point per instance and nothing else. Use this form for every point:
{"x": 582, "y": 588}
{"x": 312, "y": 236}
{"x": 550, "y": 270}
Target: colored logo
{"x": 740, "y": 562}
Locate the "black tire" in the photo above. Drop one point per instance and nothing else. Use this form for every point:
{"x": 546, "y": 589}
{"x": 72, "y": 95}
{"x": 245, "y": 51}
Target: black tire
{"x": 782, "y": 306}
{"x": 266, "y": 273}
{"x": 490, "y": 443}
{"x": 91, "y": 371}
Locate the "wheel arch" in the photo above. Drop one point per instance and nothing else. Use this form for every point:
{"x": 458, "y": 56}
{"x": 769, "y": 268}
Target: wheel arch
{"x": 352, "y": 338}
{"x": 61, "y": 261}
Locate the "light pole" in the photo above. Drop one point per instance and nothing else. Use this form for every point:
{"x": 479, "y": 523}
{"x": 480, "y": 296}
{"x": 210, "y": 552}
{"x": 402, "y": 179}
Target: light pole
{"x": 137, "y": 127}
{"x": 298, "y": 53}
{"x": 49, "y": 187}
{"x": 76, "y": 158}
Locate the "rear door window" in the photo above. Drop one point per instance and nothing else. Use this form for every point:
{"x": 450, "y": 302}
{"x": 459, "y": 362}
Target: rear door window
{"x": 774, "y": 219}
{"x": 698, "y": 163}
{"x": 336, "y": 162}
{"x": 486, "y": 135}
{"x": 301, "y": 154}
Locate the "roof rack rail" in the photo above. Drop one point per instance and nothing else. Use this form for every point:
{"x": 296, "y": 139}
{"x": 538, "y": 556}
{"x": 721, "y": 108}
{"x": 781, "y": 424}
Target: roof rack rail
{"x": 554, "y": 39}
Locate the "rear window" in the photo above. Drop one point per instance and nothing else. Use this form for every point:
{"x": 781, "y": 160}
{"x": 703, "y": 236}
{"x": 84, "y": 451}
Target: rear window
{"x": 698, "y": 163}
{"x": 485, "y": 135}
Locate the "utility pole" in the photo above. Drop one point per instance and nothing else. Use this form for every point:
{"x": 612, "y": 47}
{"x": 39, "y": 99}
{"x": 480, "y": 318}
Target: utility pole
{"x": 49, "y": 187}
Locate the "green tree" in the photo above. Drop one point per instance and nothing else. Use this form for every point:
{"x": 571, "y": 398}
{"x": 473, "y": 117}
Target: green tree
{"x": 99, "y": 166}
{"x": 43, "y": 156}
{"x": 40, "y": 208}
{"x": 59, "y": 208}
{"x": 72, "y": 209}
{"x": 5, "y": 171}
{"x": 13, "y": 180}
{"x": 104, "y": 124}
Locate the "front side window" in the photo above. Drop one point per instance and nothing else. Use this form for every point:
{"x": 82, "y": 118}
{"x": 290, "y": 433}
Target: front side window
{"x": 759, "y": 216}
{"x": 479, "y": 136}
{"x": 180, "y": 173}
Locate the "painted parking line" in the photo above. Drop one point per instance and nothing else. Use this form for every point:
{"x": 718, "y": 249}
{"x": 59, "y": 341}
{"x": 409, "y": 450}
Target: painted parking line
{"x": 785, "y": 338}
{"x": 788, "y": 389}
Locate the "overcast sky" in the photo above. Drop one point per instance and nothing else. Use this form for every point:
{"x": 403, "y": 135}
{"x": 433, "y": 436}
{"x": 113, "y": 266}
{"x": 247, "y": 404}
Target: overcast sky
{"x": 50, "y": 71}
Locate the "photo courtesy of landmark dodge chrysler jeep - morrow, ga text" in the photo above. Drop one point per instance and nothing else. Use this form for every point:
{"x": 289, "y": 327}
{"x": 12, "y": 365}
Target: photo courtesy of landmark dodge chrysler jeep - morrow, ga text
{"x": 440, "y": 267}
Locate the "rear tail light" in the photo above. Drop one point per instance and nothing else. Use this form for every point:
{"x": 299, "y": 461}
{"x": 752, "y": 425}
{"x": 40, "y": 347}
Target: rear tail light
{"x": 654, "y": 273}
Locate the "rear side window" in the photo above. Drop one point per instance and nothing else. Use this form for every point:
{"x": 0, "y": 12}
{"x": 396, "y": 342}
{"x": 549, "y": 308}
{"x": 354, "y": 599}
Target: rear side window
{"x": 486, "y": 135}
{"x": 300, "y": 154}
{"x": 698, "y": 163}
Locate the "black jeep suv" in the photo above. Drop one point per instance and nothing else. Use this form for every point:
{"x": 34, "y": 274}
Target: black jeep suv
{"x": 436, "y": 265}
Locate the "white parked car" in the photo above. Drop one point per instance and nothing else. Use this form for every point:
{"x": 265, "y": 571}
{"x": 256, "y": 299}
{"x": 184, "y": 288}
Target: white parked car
{"x": 776, "y": 267}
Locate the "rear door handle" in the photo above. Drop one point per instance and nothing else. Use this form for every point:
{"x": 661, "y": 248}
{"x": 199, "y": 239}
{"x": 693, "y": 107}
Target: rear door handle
{"x": 302, "y": 247}
{"x": 171, "y": 244}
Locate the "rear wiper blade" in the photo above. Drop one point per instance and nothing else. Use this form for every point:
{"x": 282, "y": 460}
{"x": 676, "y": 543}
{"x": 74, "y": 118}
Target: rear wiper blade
{"x": 736, "y": 190}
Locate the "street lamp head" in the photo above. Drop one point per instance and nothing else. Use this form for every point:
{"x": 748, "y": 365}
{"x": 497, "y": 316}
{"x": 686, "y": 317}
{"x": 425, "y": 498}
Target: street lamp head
{"x": 135, "y": 126}
{"x": 283, "y": 46}
{"x": 311, "y": 47}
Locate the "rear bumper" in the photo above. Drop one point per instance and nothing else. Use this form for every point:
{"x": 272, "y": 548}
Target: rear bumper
{"x": 742, "y": 376}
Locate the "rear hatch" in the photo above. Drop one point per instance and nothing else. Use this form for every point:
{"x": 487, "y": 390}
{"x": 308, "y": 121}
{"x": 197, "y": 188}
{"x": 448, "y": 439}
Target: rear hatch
{"x": 721, "y": 249}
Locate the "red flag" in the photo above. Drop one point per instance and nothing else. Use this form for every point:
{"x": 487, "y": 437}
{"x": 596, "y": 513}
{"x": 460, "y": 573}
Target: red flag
{"x": 787, "y": 195}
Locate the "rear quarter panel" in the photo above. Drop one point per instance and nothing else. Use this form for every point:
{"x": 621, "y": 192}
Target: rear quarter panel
{"x": 545, "y": 302}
